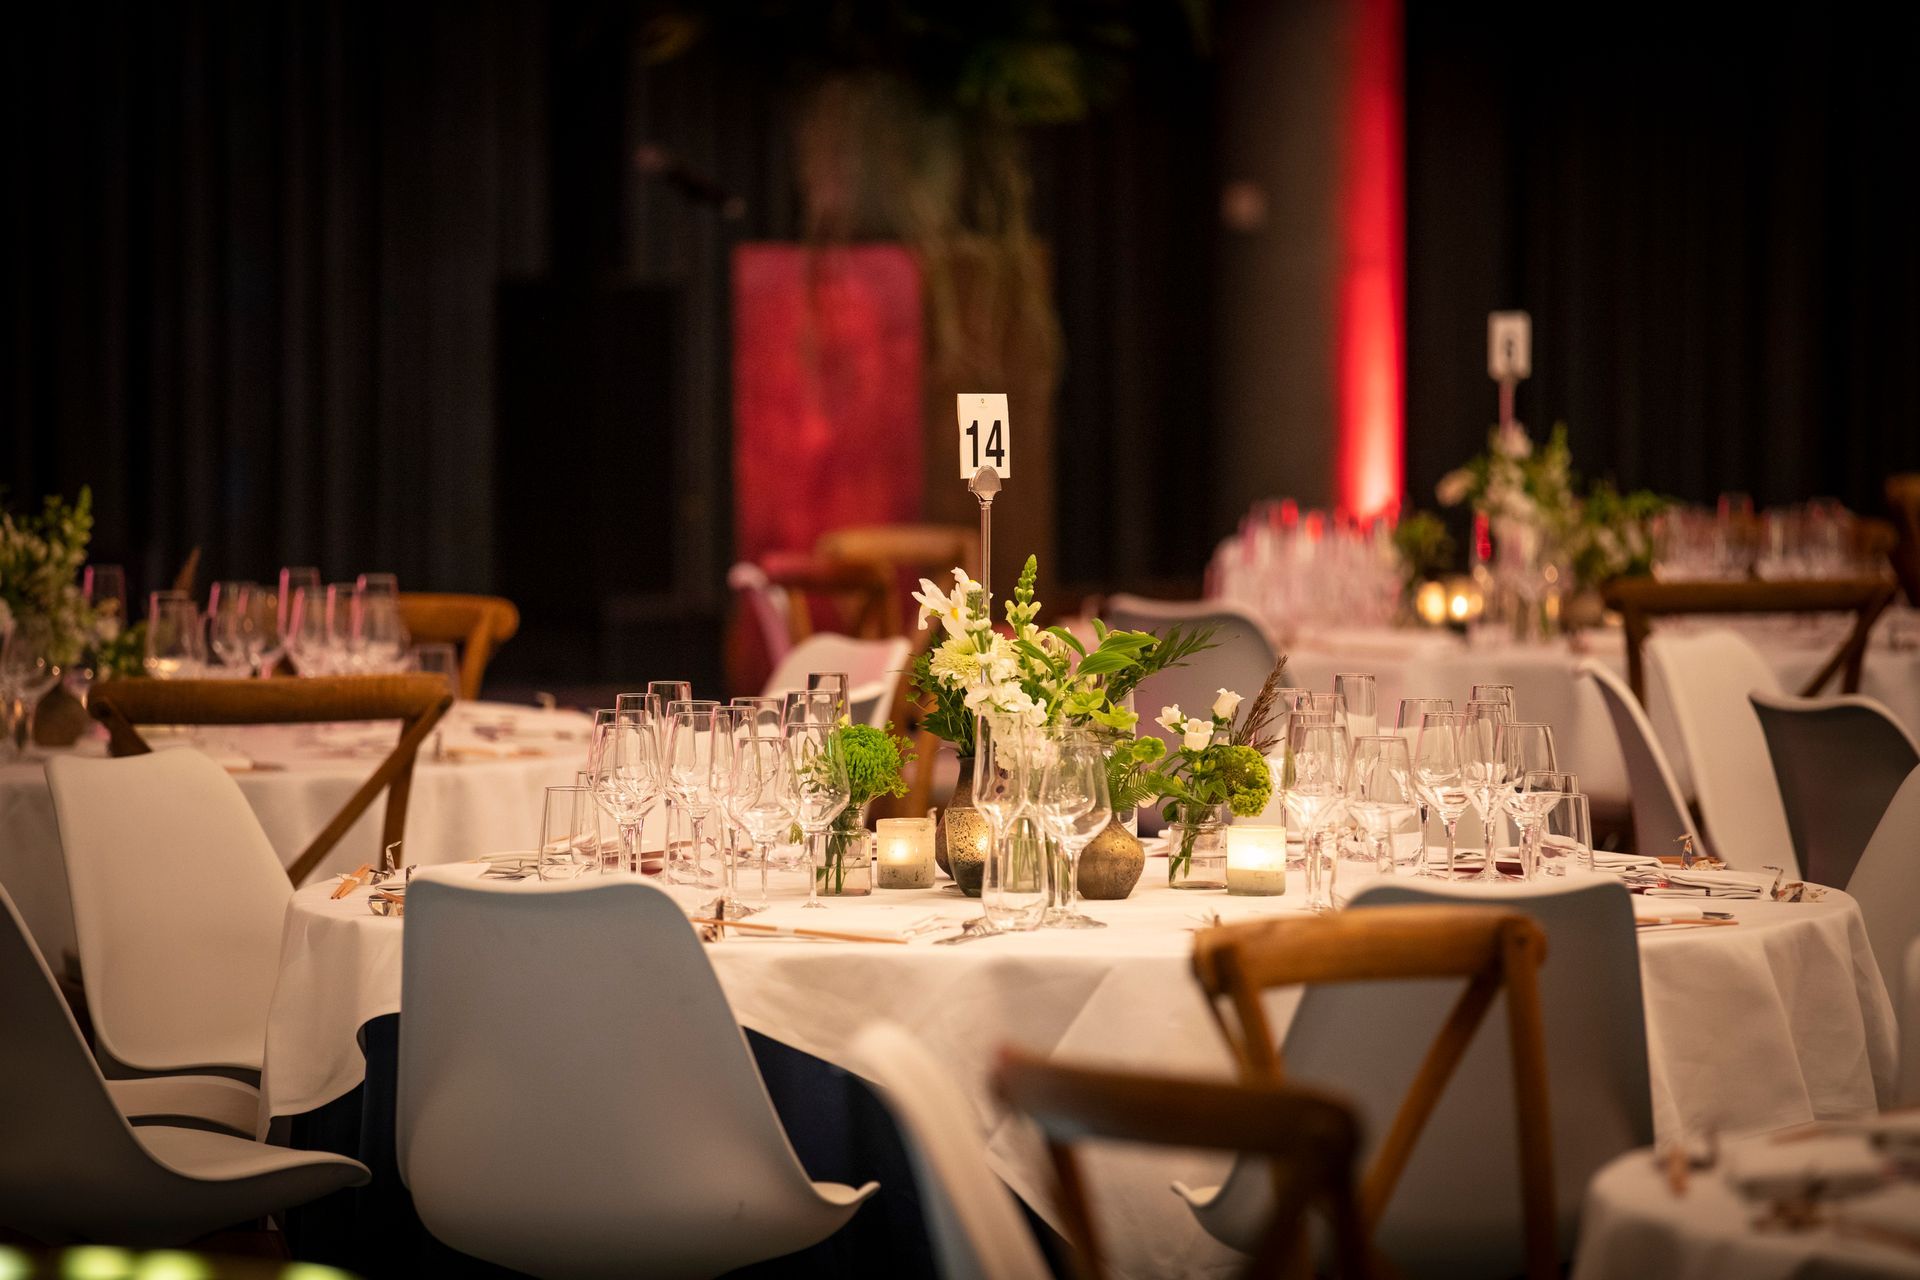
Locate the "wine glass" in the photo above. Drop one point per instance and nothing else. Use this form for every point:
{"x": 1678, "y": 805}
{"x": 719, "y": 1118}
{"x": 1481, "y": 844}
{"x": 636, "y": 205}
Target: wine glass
{"x": 1314, "y": 799}
{"x": 1537, "y": 791}
{"x": 265, "y": 641}
{"x": 835, "y": 683}
{"x": 761, "y": 796}
{"x": 1439, "y": 772}
{"x": 1363, "y": 705}
{"x": 1381, "y": 795}
{"x": 173, "y": 649}
{"x": 688, "y": 773}
{"x": 292, "y": 578}
{"x": 666, "y": 692}
{"x": 379, "y": 637}
{"x": 1484, "y": 765}
{"x": 1411, "y": 709}
{"x": 1075, "y": 804}
{"x": 727, "y": 727}
{"x": 1333, "y": 704}
{"x": 28, "y": 669}
{"x": 818, "y": 783}
{"x": 341, "y": 657}
{"x": 1502, "y": 693}
{"x": 229, "y": 621}
{"x": 309, "y": 647}
{"x": 800, "y": 706}
{"x": 625, "y": 776}
{"x": 105, "y": 587}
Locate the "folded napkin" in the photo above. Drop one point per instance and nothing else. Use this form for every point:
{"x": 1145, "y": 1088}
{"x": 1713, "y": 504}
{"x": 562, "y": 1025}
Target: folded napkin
{"x": 1608, "y": 860}
{"x": 1764, "y": 1169}
{"x": 1683, "y": 883}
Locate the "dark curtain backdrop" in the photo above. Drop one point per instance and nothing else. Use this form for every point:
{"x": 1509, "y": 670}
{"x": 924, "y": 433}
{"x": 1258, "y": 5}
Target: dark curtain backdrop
{"x": 1710, "y": 215}
{"x": 263, "y": 265}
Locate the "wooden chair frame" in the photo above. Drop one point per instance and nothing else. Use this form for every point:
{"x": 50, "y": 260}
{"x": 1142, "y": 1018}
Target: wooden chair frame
{"x": 1310, "y": 1139}
{"x": 1641, "y": 600}
{"x": 1238, "y": 964}
{"x": 1903, "y": 504}
{"x": 417, "y": 701}
{"x": 478, "y": 624}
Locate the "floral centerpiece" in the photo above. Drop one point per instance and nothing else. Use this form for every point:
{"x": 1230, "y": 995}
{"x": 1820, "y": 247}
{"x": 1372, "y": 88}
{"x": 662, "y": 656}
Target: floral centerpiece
{"x": 40, "y": 561}
{"x": 876, "y": 761}
{"x": 1219, "y": 763}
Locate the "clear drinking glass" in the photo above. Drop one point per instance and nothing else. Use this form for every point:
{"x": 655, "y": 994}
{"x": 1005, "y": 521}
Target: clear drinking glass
{"x": 309, "y": 647}
{"x": 835, "y": 683}
{"x": 801, "y": 706}
{"x": 762, "y": 797}
{"x": 341, "y": 658}
{"x": 1314, "y": 800}
{"x": 670, "y": 691}
{"x": 28, "y": 670}
{"x": 1075, "y": 804}
{"x": 569, "y": 833}
{"x": 1362, "y": 695}
{"x": 1382, "y": 799}
{"x": 728, "y": 724}
{"x": 1483, "y": 761}
{"x": 1537, "y": 791}
{"x": 230, "y": 626}
{"x": 1014, "y": 890}
{"x": 378, "y": 639}
{"x": 265, "y": 642}
{"x": 688, "y": 773}
{"x": 1439, "y": 772}
{"x": 821, "y": 791}
{"x": 1529, "y": 749}
{"x": 626, "y": 777}
{"x": 438, "y": 658}
{"x": 1566, "y": 834}
{"x": 173, "y": 638}
{"x": 1493, "y": 693}
{"x": 105, "y": 587}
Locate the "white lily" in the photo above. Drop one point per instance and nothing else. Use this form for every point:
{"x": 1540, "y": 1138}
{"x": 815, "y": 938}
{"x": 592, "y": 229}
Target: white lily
{"x": 1196, "y": 734}
{"x": 1170, "y": 718}
{"x": 1225, "y": 705}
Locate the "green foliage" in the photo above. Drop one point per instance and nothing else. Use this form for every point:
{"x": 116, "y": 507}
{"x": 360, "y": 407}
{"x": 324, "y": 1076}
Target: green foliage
{"x": 1131, "y": 778}
{"x": 943, "y": 709}
{"x": 1615, "y": 535}
{"x": 123, "y": 654}
{"x": 1424, "y": 546}
{"x": 876, "y": 761}
{"x": 40, "y": 561}
{"x": 1224, "y": 773}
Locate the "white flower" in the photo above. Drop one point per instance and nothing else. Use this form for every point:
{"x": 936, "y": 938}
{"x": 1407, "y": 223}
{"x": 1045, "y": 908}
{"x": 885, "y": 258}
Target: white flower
{"x": 1225, "y": 705}
{"x": 1196, "y": 734}
{"x": 1512, "y": 441}
{"x": 1454, "y": 487}
{"x": 955, "y": 664}
{"x": 1170, "y": 718}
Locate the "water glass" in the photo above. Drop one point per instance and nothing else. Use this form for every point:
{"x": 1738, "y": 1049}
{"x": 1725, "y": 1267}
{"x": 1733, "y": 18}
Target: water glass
{"x": 438, "y": 658}
{"x": 569, "y": 833}
{"x": 1362, "y": 698}
{"x": 174, "y": 647}
{"x": 1566, "y": 835}
{"x": 1382, "y": 798}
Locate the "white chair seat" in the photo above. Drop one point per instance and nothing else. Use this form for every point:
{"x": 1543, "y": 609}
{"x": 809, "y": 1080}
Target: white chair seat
{"x": 216, "y": 1099}
{"x": 218, "y": 1157}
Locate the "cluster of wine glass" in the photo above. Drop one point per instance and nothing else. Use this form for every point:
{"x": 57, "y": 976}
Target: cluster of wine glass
{"x": 1732, "y": 542}
{"x": 1349, "y": 788}
{"x": 1311, "y": 570}
{"x": 735, "y": 782}
{"x": 1045, "y": 798}
{"x": 341, "y": 628}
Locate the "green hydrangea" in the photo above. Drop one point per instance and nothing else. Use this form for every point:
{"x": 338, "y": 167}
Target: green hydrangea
{"x": 876, "y": 763}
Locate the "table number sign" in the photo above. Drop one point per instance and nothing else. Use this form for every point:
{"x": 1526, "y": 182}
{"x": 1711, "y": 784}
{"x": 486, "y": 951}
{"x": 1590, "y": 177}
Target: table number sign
{"x": 986, "y": 435}
{"x": 1509, "y": 346}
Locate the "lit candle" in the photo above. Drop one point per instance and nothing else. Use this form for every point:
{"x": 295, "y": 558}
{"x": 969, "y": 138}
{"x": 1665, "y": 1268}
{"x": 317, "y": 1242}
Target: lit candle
{"x": 1256, "y": 860}
{"x": 903, "y": 853}
{"x": 1431, "y": 603}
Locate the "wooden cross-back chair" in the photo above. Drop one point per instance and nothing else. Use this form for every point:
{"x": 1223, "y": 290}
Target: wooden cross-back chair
{"x": 476, "y": 625}
{"x": 1309, "y": 1139}
{"x": 1642, "y": 600}
{"x": 1238, "y": 964}
{"x": 417, "y": 701}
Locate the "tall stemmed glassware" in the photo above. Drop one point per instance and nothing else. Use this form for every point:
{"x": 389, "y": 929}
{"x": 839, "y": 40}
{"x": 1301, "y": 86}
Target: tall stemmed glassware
{"x": 1484, "y": 765}
{"x": 803, "y": 706}
{"x": 308, "y": 645}
{"x": 1494, "y": 693}
{"x": 378, "y": 638}
{"x": 668, "y": 692}
{"x": 173, "y": 637}
{"x": 1075, "y": 804}
{"x": 835, "y": 683}
{"x": 626, "y": 778}
{"x": 1529, "y": 748}
{"x": 27, "y": 668}
{"x": 1527, "y": 803}
{"x": 292, "y": 579}
{"x": 1314, "y": 799}
{"x": 762, "y": 796}
{"x": 688, "y": 773}
{"x": 817, "y": 777}
{"x": 1363, "y": 702}
{"x": 341, "y": 658}
{"x": 726, "y": 746}
{"x": 1440, "y": 774}
{"x": 265, "y": 642}
{"x": 1407, "y": 725}
{"x": 231, "y": 628}
{"x": 1382, "y": 798}
{"x": 1012, "y": 760}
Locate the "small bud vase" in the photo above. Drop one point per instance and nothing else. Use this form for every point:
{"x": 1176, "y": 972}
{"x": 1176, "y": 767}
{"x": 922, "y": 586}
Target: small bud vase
{"x": 1197, "y": 851}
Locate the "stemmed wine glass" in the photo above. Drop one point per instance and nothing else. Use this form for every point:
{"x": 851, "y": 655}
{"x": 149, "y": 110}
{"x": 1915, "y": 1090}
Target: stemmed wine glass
{"x": 1502, "y": 693}
{"x": 1314, "y": 799}
{"x": 688, "y": 773}
{"x": 835, "y": 683}
{"x": 1529, "y": 748}
{"x": 1407, "y": 724}
{"x": 105, "y": 587}
{"x": 762, "y": 797}
{"x": 726, "y": 746}
{"x": 174, "y": 649}
{"x": 1484, "y": 768}
{"x": 625, "y": 776}
{"x": 818, "y": 783}
{"x": 1362, "y": 696}
{"x": 802, "y": 706}
{"x": 28, "y": 669}
{"x": 1439, "y": 771}
{"x": 309, "y": 642}
{"x": 1381, "y": 794}
{"x": 1075, "y": 804}
{"x": 231, "y": 627}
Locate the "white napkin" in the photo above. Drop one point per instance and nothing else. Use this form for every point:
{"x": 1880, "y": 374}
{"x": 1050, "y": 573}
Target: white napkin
{"x": 1608, "y": 860}
{"x": 1682, "y": 883}
{"x": 1768, "y": 1170}
{"x": 1890, "y": 1211}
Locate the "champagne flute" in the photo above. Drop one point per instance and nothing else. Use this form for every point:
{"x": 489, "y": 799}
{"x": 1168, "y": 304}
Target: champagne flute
{"x": 626, "y": 778}
{"x": 821, "y": 791}
{"x": 1440, "y": 774}
{"x": 1075, "y": 804}
{"x": 726, "y": 745}
{"x": 1381, "y": 794}
{"x": 1483, "y": 761}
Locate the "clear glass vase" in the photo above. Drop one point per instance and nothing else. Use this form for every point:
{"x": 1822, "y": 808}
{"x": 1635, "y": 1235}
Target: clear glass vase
{"x": 1197, "y": 851}
{"x": 847, "y": 869}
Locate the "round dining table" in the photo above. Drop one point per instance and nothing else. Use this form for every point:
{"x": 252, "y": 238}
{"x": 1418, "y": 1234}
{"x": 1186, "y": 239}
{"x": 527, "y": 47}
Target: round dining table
{"x": 1779, "y": 1021}
{"x": 481, "y": 776}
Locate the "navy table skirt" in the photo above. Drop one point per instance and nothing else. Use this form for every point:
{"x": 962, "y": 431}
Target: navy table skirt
{"x": 839, "y": 1129}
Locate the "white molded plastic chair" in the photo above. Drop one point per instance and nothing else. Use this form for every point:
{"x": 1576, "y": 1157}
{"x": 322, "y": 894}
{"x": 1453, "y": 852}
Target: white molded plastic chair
{"x": 1241, "y": 660}
{"x": 1886, "y": 885}
{"x": 178, "y": 903}
{"x": 1708, "y": 677}
{"x": 71, "y": 1169}
{"x": 1908, "y": 1092}
{"x": 874, "y": 669}
{"x": 1660, "y": 814}
{"x": 978, "y": 1229}
{"x": 576, "y": 1098}
{"x": 1456, "y": 1210}
{"x": 1838, "y": 762}
{"x": 768, "y": 605}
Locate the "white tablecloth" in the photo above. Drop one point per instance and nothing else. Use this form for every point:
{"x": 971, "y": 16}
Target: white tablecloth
{"x": 1633, "y": 1228}
{"x": 1438, "y": 664}
{"x": 1780, "y": 1020}
{"x": 487, "y": 788}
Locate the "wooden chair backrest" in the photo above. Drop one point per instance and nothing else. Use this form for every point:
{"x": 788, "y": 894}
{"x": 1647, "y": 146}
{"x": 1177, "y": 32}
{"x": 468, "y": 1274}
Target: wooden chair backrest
{"x": 1237, "y": 964}
{"x": 924, "y": 550}
{"x": 417, "y": 701}
{"x": 1641, "y": 600}
{"x": 1903, "y": 504}
{"x": 862, "y": 593}
{"x": 479, "y": 625}
{"x": 1310, "y": 1140}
